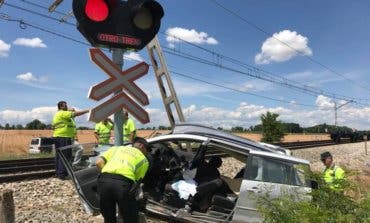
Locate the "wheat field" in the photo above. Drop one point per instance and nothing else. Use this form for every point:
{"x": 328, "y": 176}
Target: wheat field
{"x": 17, "y": 141}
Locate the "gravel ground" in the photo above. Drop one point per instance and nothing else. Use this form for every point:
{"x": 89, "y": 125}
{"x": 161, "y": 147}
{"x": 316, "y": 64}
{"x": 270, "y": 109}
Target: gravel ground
{"x": 53, "y": 200}
{"x": 351, "y": 157}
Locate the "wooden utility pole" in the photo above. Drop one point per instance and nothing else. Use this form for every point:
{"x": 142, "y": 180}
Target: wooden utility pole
{"x": 7, "y": 214}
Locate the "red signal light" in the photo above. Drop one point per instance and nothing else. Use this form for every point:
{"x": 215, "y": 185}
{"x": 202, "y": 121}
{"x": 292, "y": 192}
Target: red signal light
{"x": 96, "y": 10}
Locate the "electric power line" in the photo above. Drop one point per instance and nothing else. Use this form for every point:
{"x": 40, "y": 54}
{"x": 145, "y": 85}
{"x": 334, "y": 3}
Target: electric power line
{"x": 239, "y": 91}
{"x": 207, "y": 62}
{"x": 43, "y": 7}
{"x": 37, "y": 13}
{"x": 272, "y": 77}
{"x": 197, "y": 59}
{"x": 286, "y": 44}
{"x": 24, "y": 24}
{"x": 283, "y": 82}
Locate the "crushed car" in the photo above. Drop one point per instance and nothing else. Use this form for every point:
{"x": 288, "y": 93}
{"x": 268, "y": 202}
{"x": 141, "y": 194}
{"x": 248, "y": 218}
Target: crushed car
{"x": 264, "y": 170}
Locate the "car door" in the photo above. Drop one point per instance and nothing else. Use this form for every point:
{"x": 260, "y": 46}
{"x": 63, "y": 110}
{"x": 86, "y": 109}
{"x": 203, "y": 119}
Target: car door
{"x": 269, "y": 177}
{"x": 82, "y": 174}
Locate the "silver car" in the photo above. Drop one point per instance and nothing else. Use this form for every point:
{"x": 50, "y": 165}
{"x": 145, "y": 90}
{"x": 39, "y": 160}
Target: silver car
{"x": 265, "y": 170}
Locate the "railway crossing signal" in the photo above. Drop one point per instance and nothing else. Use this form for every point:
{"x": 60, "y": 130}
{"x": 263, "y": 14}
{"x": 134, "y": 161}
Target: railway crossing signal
{"x": 118, "y": 80}
{"x": 129, "y": 24}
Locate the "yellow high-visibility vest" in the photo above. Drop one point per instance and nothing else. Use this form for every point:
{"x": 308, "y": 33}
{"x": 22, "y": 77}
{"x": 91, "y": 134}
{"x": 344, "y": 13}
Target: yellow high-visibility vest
{"x": 64, "y": 124}
{"x": 128, "y": 128}
{"x": 103, "y": 131}
{"x": 127, "y": 161}
{"x": 333, "y": 174}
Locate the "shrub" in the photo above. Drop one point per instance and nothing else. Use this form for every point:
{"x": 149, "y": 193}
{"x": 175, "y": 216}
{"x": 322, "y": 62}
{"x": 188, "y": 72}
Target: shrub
{"x": 326, "y": 205}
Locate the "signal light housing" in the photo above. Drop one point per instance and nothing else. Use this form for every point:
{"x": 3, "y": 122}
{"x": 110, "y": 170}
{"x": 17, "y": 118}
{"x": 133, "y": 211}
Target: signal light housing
{"x": 122, "y": 24}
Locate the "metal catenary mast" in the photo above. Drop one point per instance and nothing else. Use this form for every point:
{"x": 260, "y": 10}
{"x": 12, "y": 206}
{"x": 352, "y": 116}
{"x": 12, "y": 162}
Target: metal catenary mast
{"x": 162, "y": 75}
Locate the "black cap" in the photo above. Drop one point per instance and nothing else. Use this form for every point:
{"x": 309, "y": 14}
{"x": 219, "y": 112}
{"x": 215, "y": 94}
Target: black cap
{"x": 325, "y": 155}
{"x": 142, "y": 141}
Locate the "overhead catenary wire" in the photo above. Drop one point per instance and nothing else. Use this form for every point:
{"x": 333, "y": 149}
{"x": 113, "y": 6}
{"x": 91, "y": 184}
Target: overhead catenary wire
{"x": 203, "y": 60}
{"x": 23, "y": 25}
{"x": 239, "y": 91}
{"x": 42, "y": 7}
{"x": 257, "y": 72}
{"x": 285, "y": 82}
{"x": 38, "y": 13}
{"x": 20, "y": 21}
{"x": 287, "y": 45}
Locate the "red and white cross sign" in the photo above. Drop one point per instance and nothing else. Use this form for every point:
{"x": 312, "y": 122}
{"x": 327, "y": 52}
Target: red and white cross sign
{"x": 118, "y": 80}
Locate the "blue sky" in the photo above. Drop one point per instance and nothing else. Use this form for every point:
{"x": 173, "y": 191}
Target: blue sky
{"x": 257, "y": 48}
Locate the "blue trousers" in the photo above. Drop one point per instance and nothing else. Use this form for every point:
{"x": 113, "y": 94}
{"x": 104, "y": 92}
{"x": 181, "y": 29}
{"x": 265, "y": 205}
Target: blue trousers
{"x": 60, "y": 169}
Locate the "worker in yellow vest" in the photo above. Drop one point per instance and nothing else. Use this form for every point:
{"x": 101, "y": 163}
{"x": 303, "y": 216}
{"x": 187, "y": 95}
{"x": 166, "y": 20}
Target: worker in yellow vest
{"x": 129, "y": 129}
{"x": 332, "y": 174}
{"x": 64, "y": 134}
{"x": 103, "y": 130}
{"x": 122, "y": 168}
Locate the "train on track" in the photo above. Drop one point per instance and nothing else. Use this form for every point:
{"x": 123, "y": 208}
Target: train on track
{"x": 352, "y": 135}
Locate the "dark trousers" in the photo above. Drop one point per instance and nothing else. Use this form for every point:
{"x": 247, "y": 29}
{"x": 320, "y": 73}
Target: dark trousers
{"x": 60, "y": 169}
{"x": 115, "y": 189}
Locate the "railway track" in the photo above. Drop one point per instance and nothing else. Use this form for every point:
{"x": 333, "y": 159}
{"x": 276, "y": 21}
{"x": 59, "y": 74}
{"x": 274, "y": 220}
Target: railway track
{"x": 307, "y": 144}
{"x": 26, "y": 169}
{"x": 26, "y": 165}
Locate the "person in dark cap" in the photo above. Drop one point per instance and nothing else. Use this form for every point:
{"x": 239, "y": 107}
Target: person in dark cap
{"x": 333, "y": 174}
{"x": 122, "y": 170}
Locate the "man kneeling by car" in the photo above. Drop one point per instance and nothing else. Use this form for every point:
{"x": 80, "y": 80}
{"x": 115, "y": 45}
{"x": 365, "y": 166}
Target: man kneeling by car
{"x": 122, "y": 168}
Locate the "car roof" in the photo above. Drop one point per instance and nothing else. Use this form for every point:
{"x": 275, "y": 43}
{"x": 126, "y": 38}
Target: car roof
{"x": 244, "y": 146}
{"x": 188, "y": 128}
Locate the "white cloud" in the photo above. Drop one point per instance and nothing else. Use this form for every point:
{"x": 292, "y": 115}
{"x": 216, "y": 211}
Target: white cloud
{"x": 29, "y": 77}
{"x": 133, "y": 56}
{"x": 324, "y": 102}
{"x": 44, "y": 114}
{"x": 4, "y": 48}
{"x": 244, "y": 115}
{"x": 189, "y": 35}
{"x": 34, "y": 42}
{"x": 274, "y": 49}
{"x": 171, "y": 45}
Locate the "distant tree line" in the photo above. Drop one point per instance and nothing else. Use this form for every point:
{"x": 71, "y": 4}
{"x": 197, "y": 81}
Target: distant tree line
{"x": 33, "y": 125}
{"x": 285, "y": 127}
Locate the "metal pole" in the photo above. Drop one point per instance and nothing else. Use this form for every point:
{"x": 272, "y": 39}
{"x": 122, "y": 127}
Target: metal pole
{"x": 335, "y": 110}
{"x": 117, "y": 57}
{"x": 365, "y": 139}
